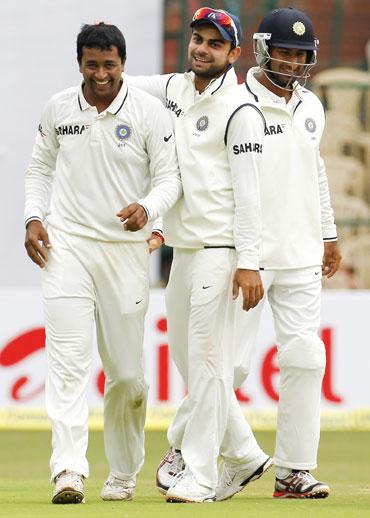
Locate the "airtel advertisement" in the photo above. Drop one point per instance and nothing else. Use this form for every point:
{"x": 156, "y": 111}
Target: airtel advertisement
{"x": 344, "y": 331}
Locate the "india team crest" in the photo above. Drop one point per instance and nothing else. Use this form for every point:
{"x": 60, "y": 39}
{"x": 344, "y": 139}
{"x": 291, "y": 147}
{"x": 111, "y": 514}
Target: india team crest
{"x": 299, "y": 29}
{"x": 310, "y": 125}
{"x": 123, "y": 132}
{"x": 202, "y": 123}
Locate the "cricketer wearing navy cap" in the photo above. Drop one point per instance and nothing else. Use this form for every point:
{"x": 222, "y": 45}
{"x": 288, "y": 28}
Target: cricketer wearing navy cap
{"x": 227, "y": 24}
{"x": 285, "y": 28}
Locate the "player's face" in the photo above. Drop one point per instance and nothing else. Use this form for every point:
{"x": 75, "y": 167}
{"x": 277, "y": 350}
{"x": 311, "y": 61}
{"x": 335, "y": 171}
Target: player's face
{"x": 208, "y": 53}
{"x": 289, "y": 67}
{"x": 102, "y": 73}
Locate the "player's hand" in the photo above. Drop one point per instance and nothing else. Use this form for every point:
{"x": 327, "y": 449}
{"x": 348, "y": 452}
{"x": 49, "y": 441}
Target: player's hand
{"x": 154, "y": 242}
{"x": 331, "y": 259}
{"x": 35, "y": 235}
{"x": 133, "y": 217}
{"x": 251, "y": 285}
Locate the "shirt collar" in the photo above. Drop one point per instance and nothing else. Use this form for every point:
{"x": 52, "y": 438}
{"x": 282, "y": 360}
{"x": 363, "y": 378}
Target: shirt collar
{"x": 228, "y": 78}
{"x": 264, "y": 95}
{"x": 113, "y": 108}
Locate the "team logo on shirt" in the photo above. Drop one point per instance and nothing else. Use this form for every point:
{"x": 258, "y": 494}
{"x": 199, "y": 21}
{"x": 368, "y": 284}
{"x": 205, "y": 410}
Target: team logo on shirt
{"x": 123, "y": 132}
{"x": 202, "y": 123}
{"x": 310, "y": 125}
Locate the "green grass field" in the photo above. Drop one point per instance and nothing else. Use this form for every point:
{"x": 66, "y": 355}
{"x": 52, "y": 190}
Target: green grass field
{"x": 25, "y": 490}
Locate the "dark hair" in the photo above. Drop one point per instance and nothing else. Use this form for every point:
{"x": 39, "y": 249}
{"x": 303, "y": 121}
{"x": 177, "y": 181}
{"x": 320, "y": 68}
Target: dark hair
{"x": 101, "y": 36}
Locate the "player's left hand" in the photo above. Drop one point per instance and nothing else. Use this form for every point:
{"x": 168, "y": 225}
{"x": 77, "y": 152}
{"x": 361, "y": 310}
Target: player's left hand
{"x": 331, "y": 259}
{"x": 251, "y": 285}
{"x": 133, "y": 217}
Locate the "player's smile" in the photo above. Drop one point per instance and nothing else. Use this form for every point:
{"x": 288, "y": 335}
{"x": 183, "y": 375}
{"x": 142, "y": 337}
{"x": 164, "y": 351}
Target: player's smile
{"x": 101, "y": 83}
{"x": 202, "y": 60}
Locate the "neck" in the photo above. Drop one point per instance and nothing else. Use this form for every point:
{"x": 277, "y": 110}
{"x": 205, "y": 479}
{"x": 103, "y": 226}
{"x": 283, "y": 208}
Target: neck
{"x": 201, "y": 83}
{"x": 261, "y": 78}
{"x": 100, "y": 104}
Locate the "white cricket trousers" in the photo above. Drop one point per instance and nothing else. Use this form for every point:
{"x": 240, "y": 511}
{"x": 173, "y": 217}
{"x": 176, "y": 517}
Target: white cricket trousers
{"x": 106, "y": 283}
{"x": 202, "y": 336}
{"x": 295, "y": 299}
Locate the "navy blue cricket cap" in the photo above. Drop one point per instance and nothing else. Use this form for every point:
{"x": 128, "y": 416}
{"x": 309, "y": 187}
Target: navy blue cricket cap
{"x": 227, "y": 24}
{"x": 289, "y": 28}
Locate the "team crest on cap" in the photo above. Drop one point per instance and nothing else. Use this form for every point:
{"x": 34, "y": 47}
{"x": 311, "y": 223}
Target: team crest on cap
{"x": 202, "y": 123}
{"x": 310, "y": 125}
{"x": 299, "y": 28}
{"x": 123, "y": 132}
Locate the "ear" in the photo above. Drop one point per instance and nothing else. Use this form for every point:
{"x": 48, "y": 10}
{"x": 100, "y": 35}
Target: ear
{"x": 234, "y": 54}
{"x": 79, "y": 66}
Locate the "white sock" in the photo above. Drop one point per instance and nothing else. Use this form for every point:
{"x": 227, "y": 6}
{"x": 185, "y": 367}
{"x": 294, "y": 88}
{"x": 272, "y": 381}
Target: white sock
{"x": 282, "y": 472}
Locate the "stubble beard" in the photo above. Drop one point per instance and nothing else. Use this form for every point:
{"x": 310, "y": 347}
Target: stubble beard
{"x": 211, "y": 73}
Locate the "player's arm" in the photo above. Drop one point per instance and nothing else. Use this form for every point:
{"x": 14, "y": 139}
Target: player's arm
{"x": 164, "y": 170}
{"x": 155, "y": 85}
{"x": 332, "y": 256}
{"x": 38, "y": 182}
{"x": 245, "y": 137}
{"x": 165, "y": 177}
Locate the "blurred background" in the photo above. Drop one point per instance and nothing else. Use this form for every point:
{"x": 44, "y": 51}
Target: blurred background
{"x": 37, "y": 57}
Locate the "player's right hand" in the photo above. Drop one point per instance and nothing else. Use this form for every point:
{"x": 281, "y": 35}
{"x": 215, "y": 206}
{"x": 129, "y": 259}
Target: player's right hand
{"x": 154, "y": 243}
{"x": 251, "y": 285}
{"x": 37, "y": 243}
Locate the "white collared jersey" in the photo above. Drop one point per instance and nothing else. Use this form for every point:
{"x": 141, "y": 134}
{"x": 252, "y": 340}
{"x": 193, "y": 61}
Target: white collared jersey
{"x": 92, "y": 164}
{"x": 295, "y": 202}
{"x": 219, "y": 140}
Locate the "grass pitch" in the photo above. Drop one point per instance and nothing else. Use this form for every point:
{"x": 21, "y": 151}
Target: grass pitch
{"x": 25, "y": 491}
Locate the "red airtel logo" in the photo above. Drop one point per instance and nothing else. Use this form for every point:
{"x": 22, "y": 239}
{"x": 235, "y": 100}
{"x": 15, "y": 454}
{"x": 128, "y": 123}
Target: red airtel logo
{"x": 22, "y": 347}
{"x": 15, "y": 352}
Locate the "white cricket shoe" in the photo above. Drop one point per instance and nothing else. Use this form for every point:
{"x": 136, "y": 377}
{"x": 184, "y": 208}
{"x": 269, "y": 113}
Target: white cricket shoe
{"x": 69, "y": 488}
{"x": 235, "y": 477}
{"x": 186, "y": 489}
{"x": 170, "y": 466}
{"x": 300, "y": 484}
{"x": 118, "y": 489}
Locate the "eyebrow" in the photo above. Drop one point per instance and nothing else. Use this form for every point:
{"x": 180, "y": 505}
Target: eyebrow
{"x": 107, "y": 61}
{"x": 213, "y": 40}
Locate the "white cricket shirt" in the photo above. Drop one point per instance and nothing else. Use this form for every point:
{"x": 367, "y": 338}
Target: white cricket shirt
{"x": 295, "y": 202}
{"x": 219, "y": 144}
{"x": 90, "y": 165}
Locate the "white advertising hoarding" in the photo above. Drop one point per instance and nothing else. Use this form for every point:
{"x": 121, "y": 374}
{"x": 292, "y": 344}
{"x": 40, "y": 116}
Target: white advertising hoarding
{"x": 344, "y": 331}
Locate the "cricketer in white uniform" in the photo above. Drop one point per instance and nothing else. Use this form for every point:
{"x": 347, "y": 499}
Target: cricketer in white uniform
{"x": 215, "y": 231}
{"x": 298, "y": 243}
{"x": 101, "y": 146}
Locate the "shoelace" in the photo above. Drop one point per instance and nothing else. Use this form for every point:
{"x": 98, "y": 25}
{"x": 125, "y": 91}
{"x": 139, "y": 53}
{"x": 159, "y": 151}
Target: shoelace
{"x": 175, "y": 459}
{"x": 301, "y": 476}
{"x": 177, "y": 478}
{"x": 307, "y": 477}
{"x": 114, "y": 482}
{"x": 70, "y": 478}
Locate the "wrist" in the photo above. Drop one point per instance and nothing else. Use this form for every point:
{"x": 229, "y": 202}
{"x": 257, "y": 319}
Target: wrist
{"x": 158, "y": 234}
